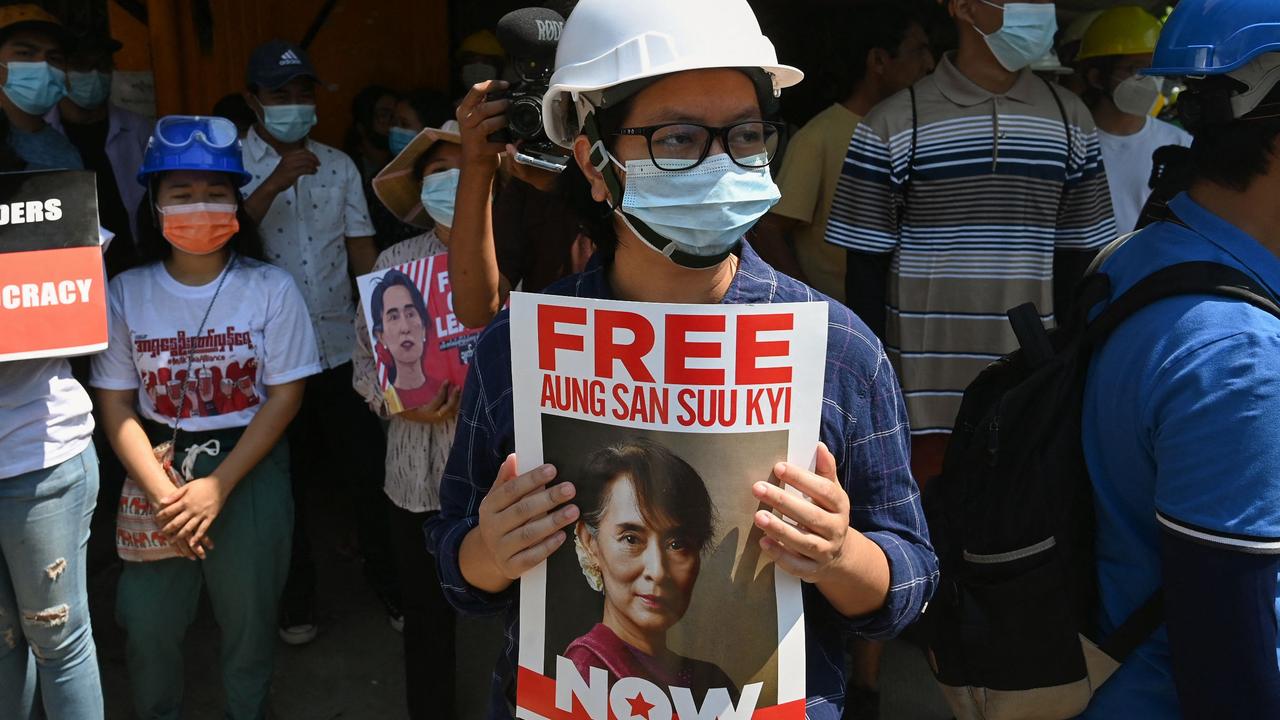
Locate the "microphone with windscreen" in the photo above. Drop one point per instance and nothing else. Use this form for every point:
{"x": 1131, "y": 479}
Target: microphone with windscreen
{"x": 530, "y": 37}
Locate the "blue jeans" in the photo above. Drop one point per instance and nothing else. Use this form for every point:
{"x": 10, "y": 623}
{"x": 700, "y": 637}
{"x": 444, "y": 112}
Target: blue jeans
{"x": 44, "y": 608}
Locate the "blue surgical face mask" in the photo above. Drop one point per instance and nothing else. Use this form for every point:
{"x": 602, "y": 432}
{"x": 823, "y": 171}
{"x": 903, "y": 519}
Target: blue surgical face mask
{"x": 399, "y": 138}
{"x": 438, "y": 193}
{"x": 1027, "y": 33}
{"x": 35, "y": 87}
{"x": 289, "y": 123}
{"x": 702, "y": 212}
{"x": 88, "y": 89}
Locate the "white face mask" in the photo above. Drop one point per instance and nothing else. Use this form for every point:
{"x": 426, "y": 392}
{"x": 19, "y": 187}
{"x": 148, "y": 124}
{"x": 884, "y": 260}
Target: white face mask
{"x": 1137, "y": 95}
{"x": 702, "y": 212}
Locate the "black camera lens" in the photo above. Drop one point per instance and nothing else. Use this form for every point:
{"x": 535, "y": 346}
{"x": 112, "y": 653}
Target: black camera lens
{"x": 525, "y": 117}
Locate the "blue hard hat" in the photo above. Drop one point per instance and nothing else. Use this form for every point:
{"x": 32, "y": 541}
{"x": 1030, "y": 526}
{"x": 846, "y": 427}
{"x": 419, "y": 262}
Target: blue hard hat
{"x": 192, "y": 142}
{"x": 1214, "y": 37}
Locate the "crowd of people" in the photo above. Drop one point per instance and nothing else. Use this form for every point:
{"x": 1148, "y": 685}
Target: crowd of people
{"x": 940, "y": 188}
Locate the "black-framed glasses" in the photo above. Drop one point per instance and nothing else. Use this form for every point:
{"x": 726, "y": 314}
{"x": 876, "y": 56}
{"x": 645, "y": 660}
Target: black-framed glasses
{"x": 680, "y": 146}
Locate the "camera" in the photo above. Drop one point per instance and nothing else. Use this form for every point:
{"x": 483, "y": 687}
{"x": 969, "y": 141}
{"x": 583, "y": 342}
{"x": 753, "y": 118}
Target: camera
{"x": 530, "y": 36}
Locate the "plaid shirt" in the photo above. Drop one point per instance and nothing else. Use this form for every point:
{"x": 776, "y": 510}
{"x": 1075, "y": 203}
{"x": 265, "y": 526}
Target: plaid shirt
{"x": 864, "y": 423}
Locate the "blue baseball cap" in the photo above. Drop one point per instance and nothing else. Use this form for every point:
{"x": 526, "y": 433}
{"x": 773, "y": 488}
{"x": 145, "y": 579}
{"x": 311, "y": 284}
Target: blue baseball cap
{"x": 276, "y": 62}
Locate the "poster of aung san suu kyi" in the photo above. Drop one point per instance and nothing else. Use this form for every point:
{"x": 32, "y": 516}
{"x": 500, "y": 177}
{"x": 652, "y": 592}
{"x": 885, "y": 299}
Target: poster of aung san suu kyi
{"x": 661, "y": 604}
{"x": 418, "y": 343}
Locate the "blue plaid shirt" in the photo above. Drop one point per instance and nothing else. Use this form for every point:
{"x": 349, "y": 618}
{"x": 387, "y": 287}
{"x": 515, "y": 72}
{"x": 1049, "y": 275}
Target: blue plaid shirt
{"x": 864, "y": 423}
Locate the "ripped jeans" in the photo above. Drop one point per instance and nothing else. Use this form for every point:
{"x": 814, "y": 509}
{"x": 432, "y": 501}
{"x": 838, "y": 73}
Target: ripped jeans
{"x": 45, "y": 633}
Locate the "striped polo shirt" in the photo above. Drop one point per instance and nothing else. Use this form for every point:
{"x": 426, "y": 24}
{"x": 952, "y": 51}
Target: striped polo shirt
{"x": 997, "y": 184}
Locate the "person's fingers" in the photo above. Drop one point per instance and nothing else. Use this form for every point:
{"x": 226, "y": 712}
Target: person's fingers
{"x": 167, "y": 513}
{"x": 792, "y": 563}
{"x": 438, "y": 401}
{"x": 173, "y": 497}
{"x": 506, "y": 472}
{"x": 496, "y": 499}
{"x": 536, "y": 530}
{"x": 529, "y": 558}
{"x": 826, "y": 494}
{"x": 476, "y": 96}
{"x": 795, "y": 507}
{"x": 807, "y": 544}
{"x": 489, "y": 109}
{"x": 826, "y": 464}
{"x": 509, "y": 493}
{"x": 455, "y": 399}
{"x": 181, "y": 548}
{"x": 198, "y": 535}
{"x": 171, "y": 528}
{"x": 534, "y": 506}
{"x": 491, "y": 126}
{"x": 192, "y": 523}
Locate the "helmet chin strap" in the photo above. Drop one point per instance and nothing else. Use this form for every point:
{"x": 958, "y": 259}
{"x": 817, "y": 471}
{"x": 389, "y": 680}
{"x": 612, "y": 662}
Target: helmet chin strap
{"x": 603, "y": 163}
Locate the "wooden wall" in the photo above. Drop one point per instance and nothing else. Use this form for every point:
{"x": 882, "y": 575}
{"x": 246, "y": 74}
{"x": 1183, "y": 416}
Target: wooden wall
{"x": 198, "y": 50}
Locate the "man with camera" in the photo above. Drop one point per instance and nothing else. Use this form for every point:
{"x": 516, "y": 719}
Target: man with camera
{"x": 519, "y": 232}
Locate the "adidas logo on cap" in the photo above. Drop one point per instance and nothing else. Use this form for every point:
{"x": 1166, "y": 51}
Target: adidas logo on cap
{"x": 290, "y": 58}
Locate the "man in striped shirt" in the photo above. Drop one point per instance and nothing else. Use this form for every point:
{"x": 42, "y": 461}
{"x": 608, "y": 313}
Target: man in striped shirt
{"x": 976, "y": 190}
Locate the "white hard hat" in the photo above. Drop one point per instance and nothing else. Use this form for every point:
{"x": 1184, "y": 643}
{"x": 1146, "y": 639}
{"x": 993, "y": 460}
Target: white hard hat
{"x": 606, "y": 43}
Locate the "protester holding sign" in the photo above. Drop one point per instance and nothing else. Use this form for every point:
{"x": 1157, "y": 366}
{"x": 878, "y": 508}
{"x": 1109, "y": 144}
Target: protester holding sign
{"x": 48, "y": 467}
{"x": 418, "y": 188}
{"x": 666, "y": 100}
{"x": 210, "y": 347}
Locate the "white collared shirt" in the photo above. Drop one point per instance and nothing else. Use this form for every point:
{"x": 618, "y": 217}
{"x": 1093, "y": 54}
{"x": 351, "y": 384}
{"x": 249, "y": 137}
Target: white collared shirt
{"x": 305, "y": 232}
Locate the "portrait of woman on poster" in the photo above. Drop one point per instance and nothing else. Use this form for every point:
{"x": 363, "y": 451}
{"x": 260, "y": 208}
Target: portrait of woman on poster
{"x": 400, "y": 325}
{"x": 646, "y": 522}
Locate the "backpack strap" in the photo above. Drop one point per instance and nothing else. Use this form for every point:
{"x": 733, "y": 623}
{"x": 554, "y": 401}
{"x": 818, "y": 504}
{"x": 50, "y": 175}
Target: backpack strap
{"x": 1066, "y": 125}
{"x": 1136, "y": 628}
{"x": 1189, "y": 278}
{"x": 911, "y": 156}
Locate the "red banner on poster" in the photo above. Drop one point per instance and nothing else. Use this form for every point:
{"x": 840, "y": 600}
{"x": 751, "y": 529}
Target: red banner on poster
{"x": 53, "y": 293}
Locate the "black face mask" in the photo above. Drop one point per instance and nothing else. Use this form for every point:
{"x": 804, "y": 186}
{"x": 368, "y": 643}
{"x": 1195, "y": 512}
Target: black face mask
{"x": 377, "y": 140}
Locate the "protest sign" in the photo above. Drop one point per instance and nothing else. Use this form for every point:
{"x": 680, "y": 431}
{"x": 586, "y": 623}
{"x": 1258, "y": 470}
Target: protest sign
{"x": 418, "y": 343}
{"x": 53, "y": 292}
{"x": 660, "y": 603}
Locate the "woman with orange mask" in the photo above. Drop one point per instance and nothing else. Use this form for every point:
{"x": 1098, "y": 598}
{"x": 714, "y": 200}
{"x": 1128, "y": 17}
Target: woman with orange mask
{"x": 215, "y": 509}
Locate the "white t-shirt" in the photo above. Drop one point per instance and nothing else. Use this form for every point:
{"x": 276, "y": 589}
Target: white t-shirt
{"x": 45, "y": 416}
{"x": 1128, "y": 162}
{"x": 258, "y": 334}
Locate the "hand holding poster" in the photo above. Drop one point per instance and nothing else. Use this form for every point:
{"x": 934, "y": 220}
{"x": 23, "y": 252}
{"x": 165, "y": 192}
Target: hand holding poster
{"x": 662, "y": 604}
{"x": 53, "y": 290}
{"x": 417, "y": 340}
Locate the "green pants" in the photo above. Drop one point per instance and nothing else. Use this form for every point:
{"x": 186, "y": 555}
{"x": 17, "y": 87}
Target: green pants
{"x": 244, "y": 575}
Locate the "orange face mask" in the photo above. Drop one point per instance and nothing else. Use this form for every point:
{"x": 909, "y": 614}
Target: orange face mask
{"x": 199, "y": 228}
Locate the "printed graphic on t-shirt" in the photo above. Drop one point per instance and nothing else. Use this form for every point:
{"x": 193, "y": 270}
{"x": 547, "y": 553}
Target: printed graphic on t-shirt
{"x": 223, "y": 377}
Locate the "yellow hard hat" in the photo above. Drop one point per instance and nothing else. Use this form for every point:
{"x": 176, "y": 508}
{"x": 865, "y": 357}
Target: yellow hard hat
{"x": 482, "y": 43}
{"x": 1127, "y": 30}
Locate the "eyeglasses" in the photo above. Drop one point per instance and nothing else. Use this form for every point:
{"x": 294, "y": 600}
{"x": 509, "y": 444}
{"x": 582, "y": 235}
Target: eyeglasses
{"x": 178, "y": 131}
{"x": 681, "y": 146}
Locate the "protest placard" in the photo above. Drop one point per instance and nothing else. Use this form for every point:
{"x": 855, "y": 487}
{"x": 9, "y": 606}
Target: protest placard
{"x": 417, "y": 340}
{"x": 53, "y": 292}
{"x": 661, "y": 603}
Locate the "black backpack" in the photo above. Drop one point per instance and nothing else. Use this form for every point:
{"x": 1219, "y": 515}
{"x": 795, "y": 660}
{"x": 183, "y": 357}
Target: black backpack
{"x": 1011, "y": 626}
